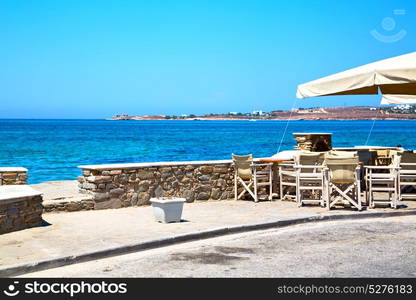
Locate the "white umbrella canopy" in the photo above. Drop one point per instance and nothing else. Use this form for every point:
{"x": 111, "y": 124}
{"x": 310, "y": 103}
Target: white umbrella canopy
{"x": 393, "y": 77}
{"x": 398, "y": 99}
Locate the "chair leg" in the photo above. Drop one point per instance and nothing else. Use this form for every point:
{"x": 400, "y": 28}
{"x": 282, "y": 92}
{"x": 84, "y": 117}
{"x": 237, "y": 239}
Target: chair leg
{"x": 370, "y": 196}
{"x": 399, "y": 188}
{"x": 271, "y": 184}
{"x": 298, "y": 193}
{"x": 255, "y": 185}
{"x": 395, "y": 193}
{"x": 246, "y": 188}
{"x": 328, "y": 199}
{"x": 235, "y": 186}
{"x": 389, "y": 185}
{"x": 323, "y": 194}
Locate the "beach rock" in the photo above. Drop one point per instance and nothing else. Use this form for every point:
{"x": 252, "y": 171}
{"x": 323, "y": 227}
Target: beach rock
{"x": 188, "y": 195}
{"x": 134, "y": 199}
{"x": 115, "y": 172}
{"x": 100, "y": 196}
{"x": 221, "y": 183}
{"x": 143, "y": 199}
{"x": 215, "y": 194}
{"x": 142, "y": 174}
{"x": 203, "y": 188}
{"x": 206, "y": 169}
{"x": 99, "y": 179}
{"x": 175, "y": 184}
{"x": 132, "y": 177}
{"x": 144, "y": 185}
{"x": 179, "y": 172}
{"x": 222, "y": 170}
{"x": 117, "y": 191}
{"x": 110, "y": 186}
{"x": 89, "y": 186}
{"x": 73, "y": 206}
{"x": 166, "y": 175}
{"x": 225, "y": 195}
{"x": 111, "y": 203}
{"x": 204, "y": 177}
{"x": 158, "y": 192}
{"x": 122, "y": 178}
{"x": 202, "y": 196}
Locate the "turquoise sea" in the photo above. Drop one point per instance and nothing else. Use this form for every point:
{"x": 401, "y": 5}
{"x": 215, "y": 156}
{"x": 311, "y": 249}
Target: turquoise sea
{"x": 52, "y": 149}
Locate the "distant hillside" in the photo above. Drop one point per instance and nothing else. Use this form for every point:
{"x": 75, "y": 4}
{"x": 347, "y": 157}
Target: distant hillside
{"x": 345, "y": 113}
{"x": 320, "y": 113}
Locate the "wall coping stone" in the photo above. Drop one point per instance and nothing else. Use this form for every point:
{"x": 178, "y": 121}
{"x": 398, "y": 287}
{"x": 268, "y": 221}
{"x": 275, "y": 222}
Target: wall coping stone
{"x": 155, "y": 164}
{"x": 12, "y": 169}
{"x": 14, "y": 193}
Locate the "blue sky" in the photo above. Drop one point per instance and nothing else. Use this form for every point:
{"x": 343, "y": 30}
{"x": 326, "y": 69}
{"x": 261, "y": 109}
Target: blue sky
{"x": 93, "y": 59}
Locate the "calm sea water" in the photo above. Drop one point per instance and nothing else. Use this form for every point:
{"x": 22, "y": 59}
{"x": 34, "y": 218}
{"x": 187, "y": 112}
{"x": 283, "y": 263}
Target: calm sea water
{"x": 52, "y": 149}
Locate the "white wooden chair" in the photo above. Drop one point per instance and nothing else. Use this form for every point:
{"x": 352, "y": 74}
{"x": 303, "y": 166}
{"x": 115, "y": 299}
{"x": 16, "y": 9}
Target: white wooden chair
{"x": 251, "y": 176}
{"x": 407, "y": 174}
{"x": 309, "y": 177}
{"x": 287, "y": 180}
{"x": 342, "y": 179}
{"x": 383, "y": 179}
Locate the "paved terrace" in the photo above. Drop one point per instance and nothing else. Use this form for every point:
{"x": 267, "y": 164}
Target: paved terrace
{"x": 86, "y": 231}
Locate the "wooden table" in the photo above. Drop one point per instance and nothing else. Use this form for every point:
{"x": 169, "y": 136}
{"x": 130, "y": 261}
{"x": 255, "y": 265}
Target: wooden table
{"x": 275, "y": 168}
{"x": 273, "y": 160}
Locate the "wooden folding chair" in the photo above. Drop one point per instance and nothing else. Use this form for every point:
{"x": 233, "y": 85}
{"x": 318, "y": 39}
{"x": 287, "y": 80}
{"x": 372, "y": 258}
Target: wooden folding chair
{"x": 383, "y": 179}
{"x": 407, "y": 174}
{"x": 309, "y": 177}
{"x": 251, "y": 176}
{"x": 287, "y": 180}
{"x": 343, "y": 180}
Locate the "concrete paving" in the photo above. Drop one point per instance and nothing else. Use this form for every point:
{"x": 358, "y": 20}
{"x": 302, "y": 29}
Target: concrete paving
{"x": 60, "y": 190}
{"x": 87, "y": 231}
{"x": 358, "y": 248}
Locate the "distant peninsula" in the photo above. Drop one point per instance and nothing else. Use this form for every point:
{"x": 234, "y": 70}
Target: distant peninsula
{"x": 398, "y": 112}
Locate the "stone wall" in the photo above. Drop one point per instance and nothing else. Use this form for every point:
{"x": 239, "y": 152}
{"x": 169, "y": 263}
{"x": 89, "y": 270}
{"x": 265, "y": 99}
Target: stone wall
{"x": 114, "y": 186}
{"x": 13, "y": 176}
{"x": 20, "y": 207}
{"x": 67, "y": 205}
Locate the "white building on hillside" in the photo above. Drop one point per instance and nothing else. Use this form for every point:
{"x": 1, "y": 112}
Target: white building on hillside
{"x": 257, "y": 112}
{"x": 403, "y": 106}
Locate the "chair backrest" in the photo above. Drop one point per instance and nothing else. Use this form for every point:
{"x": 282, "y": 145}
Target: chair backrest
{"x": 396, "y": 160}
{"x": 341, "y": 169}
{"x": 408, "y": 157}
{"x": 343, "y": 154}
{"x": 394, "y": 152}
{"x": 383, "y": 152}
{"x": 367, "y": 157}
{"x": 308, "y": 158}
{"x": 243, "y": 165}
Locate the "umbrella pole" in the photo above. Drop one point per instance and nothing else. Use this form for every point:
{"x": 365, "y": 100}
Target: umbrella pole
{"x": 287, "y": 124}
{"x": 372, "y": 126}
